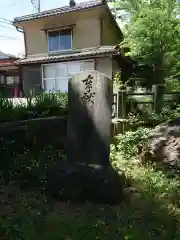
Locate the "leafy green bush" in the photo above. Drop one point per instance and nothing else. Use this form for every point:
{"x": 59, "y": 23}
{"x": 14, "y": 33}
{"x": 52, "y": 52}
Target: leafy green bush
{"x": 16, "y": 161}
{"x": 50, "y": 104}
{"x": 44, "y": 105}
{"x": 149, "y": 118}
{"x": 8, "y": 111}
{"x": 172, "y": 84}
{"x": 127, "y": 145}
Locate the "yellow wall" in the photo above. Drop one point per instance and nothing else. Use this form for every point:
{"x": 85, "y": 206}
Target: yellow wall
{"x": 91, "y": 28}
{"x": 111, "y": 34}
{"x": 86, "y": 31}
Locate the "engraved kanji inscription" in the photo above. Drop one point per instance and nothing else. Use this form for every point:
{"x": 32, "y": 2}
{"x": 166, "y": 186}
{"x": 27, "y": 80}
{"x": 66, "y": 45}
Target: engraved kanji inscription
{"x": 88, "y": 96}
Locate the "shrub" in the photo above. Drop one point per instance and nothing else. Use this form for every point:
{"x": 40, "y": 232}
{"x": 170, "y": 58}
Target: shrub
{"x": 18, "y": 162}
{"x": 172, "y": 84}
{"x": 128, "y": 145}
{"x": 151, "y": 119}
{"x": 50, "y": 104}
{"x": 10, "y": 112}
{"x": 44, "y": 105}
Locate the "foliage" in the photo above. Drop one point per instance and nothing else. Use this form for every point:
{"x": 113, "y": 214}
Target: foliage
{"x": 51, "y": 104}
{"x": 125, "y": 9}
{"x": 29, "y": 167}
{"x": 26, "y": 152}
{"x": 152, "y": 34}
{"x": 128, "y": 144}
{"x": 44, "y": 105}
{"x": 35, "y": 219}
{"x": 153, "y": 39}
{"x": 155, "y": 182}
{"x": 150, "y": 210}
{"x": 172, "y": 84}
{"x": 149, "y": 118}
{"x": 118, "y": 84}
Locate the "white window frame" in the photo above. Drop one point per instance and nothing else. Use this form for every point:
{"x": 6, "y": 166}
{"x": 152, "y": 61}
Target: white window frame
{"x": 52, "y": 64}
{"x": 59, "y": 30}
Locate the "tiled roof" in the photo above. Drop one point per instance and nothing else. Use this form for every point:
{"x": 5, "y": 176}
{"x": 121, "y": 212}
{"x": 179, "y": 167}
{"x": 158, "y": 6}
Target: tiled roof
{"x": 13, "y": 64}
{"x": 93, "y": 52}
{"x": 57, "y": 11}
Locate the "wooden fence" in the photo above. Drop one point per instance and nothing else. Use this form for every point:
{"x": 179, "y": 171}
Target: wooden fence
{"x": 150, "y": 99}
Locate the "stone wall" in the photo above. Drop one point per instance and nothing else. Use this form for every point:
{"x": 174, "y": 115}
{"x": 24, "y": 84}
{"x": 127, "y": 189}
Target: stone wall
{"x": 33, "y": 134}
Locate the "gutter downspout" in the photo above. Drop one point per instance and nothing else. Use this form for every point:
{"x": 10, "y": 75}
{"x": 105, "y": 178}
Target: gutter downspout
{"x": 25, "y": 43}
{"x": 20, "y": 66}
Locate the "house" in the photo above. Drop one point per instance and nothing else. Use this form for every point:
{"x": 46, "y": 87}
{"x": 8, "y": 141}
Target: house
{"x": 64, "y": 41}
{"x": 9, "y": 76}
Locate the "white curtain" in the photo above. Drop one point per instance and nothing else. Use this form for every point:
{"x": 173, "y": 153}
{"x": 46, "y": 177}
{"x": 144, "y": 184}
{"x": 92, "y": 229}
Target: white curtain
{"x": 57, "y": 75}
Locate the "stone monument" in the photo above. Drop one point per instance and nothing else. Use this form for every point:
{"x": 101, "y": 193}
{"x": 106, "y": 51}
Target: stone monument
{"x": 89, "y": 118}
{"x": 87, "y": 174}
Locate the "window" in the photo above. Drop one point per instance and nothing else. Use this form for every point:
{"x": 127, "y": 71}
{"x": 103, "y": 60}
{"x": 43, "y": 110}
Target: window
{"x": 12, "y": 80}
{"x": 57, "y": 75}
{"x": 59, "y": 40}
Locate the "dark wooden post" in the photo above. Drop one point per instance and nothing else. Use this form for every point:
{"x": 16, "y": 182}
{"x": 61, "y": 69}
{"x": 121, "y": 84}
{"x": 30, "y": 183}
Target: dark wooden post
{"x": 122, "y": 109}
{"x": 122, "y": 104}
{"x": 158, "y": 97}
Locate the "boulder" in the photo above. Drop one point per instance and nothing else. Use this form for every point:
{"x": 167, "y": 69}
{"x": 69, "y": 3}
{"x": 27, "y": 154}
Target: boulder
{"x": 163, "y": 145}
{"x": 81, "y": 182}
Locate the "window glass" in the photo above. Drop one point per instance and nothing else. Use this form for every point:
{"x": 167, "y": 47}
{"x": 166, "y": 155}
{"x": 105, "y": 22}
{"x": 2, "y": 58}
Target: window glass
{"x": 59, "y": 40}
{"x": 65, "y": 39}
{"x": 74, "y": 68}
{"x": 10, "y": 80}
{"x": 49, "y": 71}
{"x": 62, "y": 84}
{"x": 61, "y": 70}
{"x": 49, "y": 85}
{"x": 54, "y": 41}
{"x": 57, "y": 75}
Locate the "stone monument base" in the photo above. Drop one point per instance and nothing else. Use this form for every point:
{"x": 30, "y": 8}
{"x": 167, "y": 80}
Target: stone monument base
{"x": 78, "y": 183}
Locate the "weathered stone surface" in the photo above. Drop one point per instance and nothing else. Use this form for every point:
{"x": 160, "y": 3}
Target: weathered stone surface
{"x": 89, "y": 118}
{"x": 164, "y": 145}
{"x": 80, "y": 182}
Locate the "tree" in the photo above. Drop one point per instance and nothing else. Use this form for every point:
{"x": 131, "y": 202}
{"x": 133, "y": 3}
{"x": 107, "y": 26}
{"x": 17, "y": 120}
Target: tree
{"x": 153, "y": 39}
{"x": 127, "y": 8}
{"x": 72, "y": 3}
{"x": 152, "y": 34}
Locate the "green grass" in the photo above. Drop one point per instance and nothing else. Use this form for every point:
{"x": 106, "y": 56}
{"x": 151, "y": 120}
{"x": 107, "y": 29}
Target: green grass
{"x": 151, "y": 211}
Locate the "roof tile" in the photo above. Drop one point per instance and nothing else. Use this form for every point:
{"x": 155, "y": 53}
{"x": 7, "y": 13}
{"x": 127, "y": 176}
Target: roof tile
{"x": 99, "y": 51}
{"x": 61, "y": 10}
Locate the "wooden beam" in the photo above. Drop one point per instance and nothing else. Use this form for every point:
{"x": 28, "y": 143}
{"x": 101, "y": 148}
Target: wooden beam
{"x": 58, "y": 27}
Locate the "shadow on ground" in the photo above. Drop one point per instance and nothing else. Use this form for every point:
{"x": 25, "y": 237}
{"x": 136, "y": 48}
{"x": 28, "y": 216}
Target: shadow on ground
{"x": 28, "y": 215}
